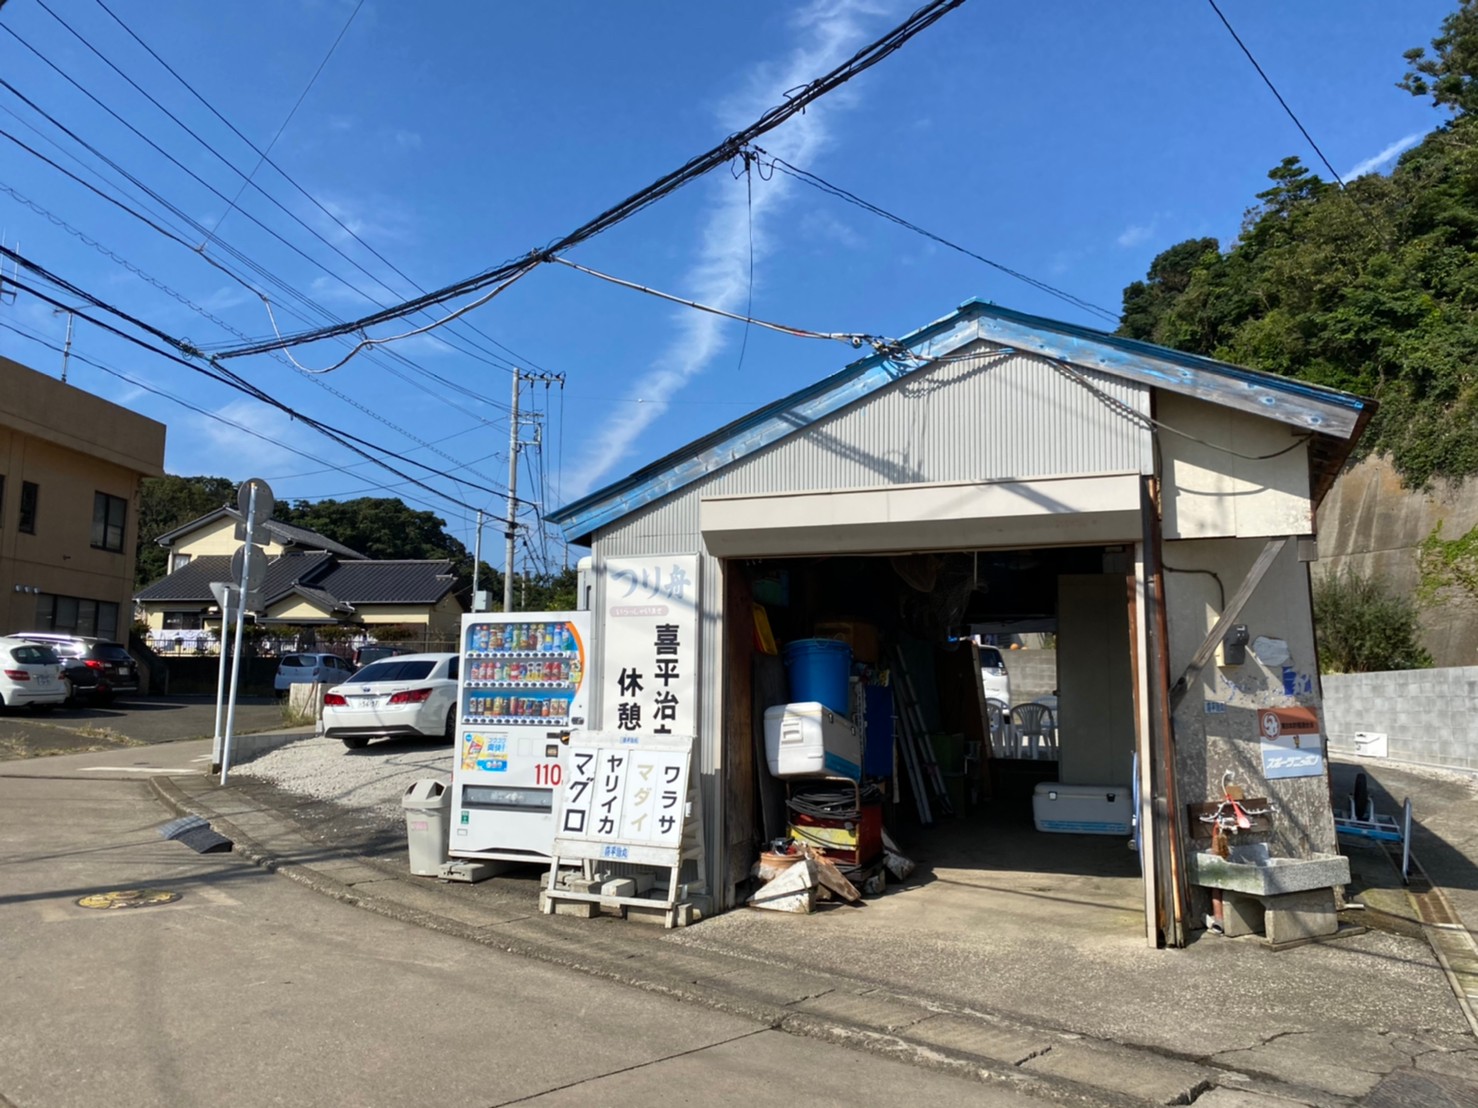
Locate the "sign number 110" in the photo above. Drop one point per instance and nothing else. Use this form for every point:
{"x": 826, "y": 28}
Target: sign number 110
{"x": 548, "y": 773}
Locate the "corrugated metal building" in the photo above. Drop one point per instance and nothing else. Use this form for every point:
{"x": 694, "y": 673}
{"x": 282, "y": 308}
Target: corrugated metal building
{"x": 1156, "y": 488}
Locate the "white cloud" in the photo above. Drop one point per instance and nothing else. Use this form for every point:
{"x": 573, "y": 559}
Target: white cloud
{"x": 1135, "y": 234}
{"x": 720, "y": 274}
{"x": 1389, "y": 154}
{"x": 407, "y": 140}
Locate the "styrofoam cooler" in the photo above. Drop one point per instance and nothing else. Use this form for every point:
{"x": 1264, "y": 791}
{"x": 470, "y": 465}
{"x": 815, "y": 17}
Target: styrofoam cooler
{"x": 1082, "y": 809}
{"x": 810, "y": 740}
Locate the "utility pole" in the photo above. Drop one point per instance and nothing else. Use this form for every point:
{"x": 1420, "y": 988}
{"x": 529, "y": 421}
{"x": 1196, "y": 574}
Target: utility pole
{"x": 515, "y": 444}
{"x": 512, "y": 533}
{"x": 476, "y": 559}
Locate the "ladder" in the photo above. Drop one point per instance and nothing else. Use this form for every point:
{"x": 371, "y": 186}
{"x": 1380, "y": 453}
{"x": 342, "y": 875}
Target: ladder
{"x": 925, "y": 775}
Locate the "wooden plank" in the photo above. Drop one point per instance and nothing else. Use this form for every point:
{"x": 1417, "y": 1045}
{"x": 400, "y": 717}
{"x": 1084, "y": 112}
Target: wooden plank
{"x": 741, "y": 833}
{"x": 1229, "y": 616}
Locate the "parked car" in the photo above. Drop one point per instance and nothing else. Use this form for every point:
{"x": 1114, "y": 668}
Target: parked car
{"x": 30, "y": 676}
{"x": 297, "y": 669}
{"x": 410, "y": 696}
{"x": 375, "y": 652}
{"x": 993, "y": 676}
{"x": 97, "y": 669}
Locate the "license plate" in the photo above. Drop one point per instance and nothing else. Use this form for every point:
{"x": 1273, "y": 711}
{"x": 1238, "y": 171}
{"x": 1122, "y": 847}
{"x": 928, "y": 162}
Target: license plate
{"x": 42, "y": 681}
{"x": 361, "y": 701}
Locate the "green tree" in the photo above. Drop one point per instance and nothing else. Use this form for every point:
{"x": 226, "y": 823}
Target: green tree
{"x": 1448, "y": 76}
{"x": 169, "y": 502}
{"x": 1363, "y": 626}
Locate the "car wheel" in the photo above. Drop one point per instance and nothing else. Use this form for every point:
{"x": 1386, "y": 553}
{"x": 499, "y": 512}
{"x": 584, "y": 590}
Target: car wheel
{"x": 450, "y": 733}
{"x": 359, "y": 742}
{"x": 42, "y": 709}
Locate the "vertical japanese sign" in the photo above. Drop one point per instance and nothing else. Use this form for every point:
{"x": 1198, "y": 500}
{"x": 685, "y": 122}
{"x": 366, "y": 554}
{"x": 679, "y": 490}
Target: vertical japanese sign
{"x": 1291, "y": 743}
{"x": 650, "y": 674}
{"x": 625, "y": 799}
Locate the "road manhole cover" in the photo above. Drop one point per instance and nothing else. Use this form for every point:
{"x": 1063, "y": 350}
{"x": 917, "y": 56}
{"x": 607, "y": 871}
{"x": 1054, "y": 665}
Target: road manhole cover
{"x": 128, "y": 898}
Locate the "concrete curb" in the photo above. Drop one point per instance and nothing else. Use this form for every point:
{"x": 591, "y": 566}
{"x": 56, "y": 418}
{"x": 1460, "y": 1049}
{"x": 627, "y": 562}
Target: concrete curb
{"x": 1061, "y": 1067}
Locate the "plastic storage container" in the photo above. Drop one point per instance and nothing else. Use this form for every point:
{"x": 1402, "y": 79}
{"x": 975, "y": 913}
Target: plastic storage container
{"x": 1082, "y": 809}
{"x": 810, "y": 740}
{"x": 818, "y": 670}
{"x": 427, "y": 805}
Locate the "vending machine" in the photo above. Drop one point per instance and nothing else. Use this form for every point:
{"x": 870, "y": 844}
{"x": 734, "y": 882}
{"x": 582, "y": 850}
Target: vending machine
{"x": 524, "y": 688}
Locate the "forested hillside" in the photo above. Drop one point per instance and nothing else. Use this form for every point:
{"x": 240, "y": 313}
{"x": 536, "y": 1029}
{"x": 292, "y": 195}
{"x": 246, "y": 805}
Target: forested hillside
{"x": 1372, "y": 288}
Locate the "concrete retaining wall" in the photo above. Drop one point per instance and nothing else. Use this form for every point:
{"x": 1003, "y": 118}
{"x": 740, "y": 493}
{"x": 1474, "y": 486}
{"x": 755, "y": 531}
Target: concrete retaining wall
{"x": 1033, "y": 673}
{"x": 1429, "y": 716}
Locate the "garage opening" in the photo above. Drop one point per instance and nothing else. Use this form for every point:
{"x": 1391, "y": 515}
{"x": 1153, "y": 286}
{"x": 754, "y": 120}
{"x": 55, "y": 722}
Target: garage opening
{"x": 994, "y": 691}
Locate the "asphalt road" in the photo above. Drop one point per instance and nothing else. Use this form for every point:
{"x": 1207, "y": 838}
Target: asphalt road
{"x": 128, "y": 721}
{"x": 250, "y": 989}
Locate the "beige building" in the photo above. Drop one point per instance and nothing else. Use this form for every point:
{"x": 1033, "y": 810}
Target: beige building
{"x": 311, "y": 582}
{"x": 71, "y": 465}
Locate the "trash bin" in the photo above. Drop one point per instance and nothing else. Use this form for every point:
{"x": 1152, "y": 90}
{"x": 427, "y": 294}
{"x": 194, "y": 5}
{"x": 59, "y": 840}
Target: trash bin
{"x": 428, "y": 806}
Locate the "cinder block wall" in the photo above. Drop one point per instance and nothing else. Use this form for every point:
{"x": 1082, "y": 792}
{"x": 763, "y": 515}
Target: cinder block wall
{"x": 1033, "y": 673}
{"x": 1429, "y": 715}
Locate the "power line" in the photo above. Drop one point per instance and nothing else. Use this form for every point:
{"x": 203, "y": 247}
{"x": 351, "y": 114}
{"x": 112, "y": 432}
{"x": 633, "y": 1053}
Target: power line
{"x": 797, "y": 101}
{"x": 263, "y": 155}
{"x": 218, "y": 373}
{"x": 288, "y": 119}
{"x": 852, "y": 338}
{"x": 155, "y": 390}
{"x": 1274, "y": 90}
{"x": 840, "y": 193}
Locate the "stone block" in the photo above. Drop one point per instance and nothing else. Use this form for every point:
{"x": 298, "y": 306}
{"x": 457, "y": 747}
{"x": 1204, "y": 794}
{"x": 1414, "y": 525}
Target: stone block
{"x": 619, "y": 886}
{"x": 1302, "y": 915}
{"x": 577, "y": 884}
{"x": 580, "y": 909}
{"x": 1241, "y": 915}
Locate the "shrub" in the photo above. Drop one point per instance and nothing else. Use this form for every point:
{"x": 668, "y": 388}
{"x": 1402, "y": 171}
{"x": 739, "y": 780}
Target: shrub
{"x": 1363, "y": 626}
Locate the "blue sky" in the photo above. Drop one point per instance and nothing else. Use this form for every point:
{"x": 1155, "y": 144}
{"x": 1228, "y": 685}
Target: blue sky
{"x": 1068, "y": 140}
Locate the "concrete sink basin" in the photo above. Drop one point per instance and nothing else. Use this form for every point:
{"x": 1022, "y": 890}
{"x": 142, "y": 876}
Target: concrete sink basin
{"x": 1251, "y": 870}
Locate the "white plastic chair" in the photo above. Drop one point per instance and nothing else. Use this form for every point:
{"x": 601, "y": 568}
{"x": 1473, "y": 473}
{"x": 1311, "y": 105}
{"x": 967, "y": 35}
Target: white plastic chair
{"x": 1036, "y": 730}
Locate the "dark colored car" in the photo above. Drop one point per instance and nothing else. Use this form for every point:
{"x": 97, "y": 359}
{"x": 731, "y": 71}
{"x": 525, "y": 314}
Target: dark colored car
{"x": 98, "y": 669}
{"x": 376, "y": 652}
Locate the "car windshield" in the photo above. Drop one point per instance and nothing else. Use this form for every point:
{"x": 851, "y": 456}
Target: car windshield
{"x": 990, "y": 658}
{"x": 111, "y": 651}
{"x": 396, "y": 670}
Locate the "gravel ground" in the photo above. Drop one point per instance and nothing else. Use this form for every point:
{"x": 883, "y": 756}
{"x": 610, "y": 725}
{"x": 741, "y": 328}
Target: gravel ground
{"x": 372, "y": 779}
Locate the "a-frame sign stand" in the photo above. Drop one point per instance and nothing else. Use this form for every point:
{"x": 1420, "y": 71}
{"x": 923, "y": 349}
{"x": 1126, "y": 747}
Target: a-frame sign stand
{"x": 632, "y": 801}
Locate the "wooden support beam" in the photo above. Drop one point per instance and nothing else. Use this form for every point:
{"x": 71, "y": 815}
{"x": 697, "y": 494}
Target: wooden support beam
{"x": 1229, "y": 616}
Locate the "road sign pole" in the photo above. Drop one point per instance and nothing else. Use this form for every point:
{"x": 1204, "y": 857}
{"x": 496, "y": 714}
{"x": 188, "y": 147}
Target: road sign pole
{"x": 251, "y": 522}
{"x": 215, "y": 745}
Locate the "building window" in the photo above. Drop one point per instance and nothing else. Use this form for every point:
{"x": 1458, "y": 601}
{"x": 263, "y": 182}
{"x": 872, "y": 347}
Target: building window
{"x": 77, "y": 615}
{"x": 178, "y": 561}
{"x": 108, "y": 516}
{"x": 29, "y": 493}
{"x": 184, "y": 621}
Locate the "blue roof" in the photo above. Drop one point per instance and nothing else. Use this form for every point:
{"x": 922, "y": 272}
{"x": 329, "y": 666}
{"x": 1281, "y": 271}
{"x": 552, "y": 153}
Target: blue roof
{"x": 1315, "y": 408}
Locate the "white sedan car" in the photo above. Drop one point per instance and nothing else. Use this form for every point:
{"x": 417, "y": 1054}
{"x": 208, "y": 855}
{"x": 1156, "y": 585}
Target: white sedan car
{"x": 408, "y": 696}
{"x": 30, "y": 676}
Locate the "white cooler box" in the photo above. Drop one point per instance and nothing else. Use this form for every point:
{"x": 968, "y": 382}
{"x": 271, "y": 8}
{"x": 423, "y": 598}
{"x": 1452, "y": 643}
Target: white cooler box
{"x": 810, "y": 740}
{"x": 1082, "y": 809}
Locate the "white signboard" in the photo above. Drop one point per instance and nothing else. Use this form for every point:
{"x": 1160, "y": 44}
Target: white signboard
{"x": 649, "y": 634}
{"x": 624, "y": 799}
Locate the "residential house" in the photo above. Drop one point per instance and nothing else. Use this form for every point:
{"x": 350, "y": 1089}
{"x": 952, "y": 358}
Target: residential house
{"x": 311, "y": 582}
{"x": 71, "y": 465}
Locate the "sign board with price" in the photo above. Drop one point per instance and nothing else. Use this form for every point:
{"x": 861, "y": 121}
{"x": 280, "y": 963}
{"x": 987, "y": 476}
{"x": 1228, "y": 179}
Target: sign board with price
{"x": 627, "y": 798}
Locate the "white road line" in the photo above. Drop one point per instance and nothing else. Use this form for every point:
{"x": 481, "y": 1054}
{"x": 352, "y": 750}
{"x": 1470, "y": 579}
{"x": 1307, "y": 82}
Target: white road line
{"x": 138, "y": 769}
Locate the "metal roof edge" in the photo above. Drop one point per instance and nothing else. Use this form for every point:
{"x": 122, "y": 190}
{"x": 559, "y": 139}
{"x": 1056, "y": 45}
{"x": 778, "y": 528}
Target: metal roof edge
{"x": 761, "y": 427}
{"x": 1155, "y": 366}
